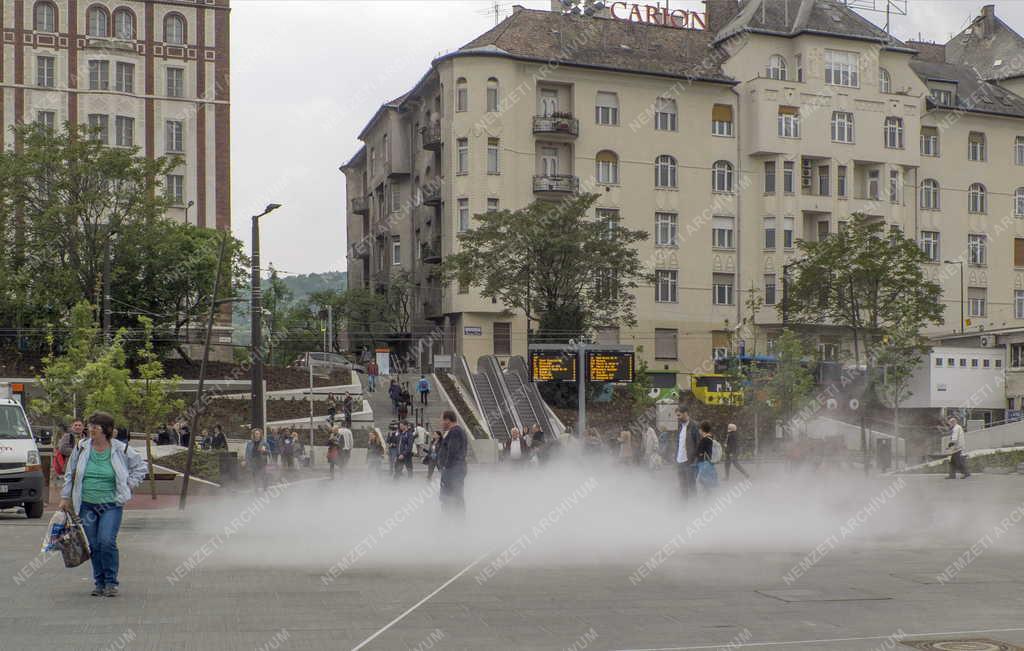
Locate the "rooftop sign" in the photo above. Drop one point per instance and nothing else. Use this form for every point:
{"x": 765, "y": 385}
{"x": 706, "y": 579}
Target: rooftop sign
{"x": 658, "y": 15}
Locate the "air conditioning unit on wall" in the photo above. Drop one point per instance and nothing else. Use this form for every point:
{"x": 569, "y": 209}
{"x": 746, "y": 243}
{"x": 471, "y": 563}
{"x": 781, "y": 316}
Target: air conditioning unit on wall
{"x": 988, "y": 341}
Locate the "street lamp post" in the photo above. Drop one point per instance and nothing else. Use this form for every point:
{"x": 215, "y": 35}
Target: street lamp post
{"x": 961, "y": 263}
{"x": 256, "y": 317}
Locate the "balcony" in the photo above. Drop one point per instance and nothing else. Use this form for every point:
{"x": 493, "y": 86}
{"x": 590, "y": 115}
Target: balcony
{"x": 360, "y": 250}
{"x": 395, "y": 168}
{"x": 556, "y": 184}
{"x": 432, "y": 195}
{"x": 431, "y": 136}
{"x": 557, "y": 124}
{"x": 431, "y": 252}
{"x": 360, "y": 206}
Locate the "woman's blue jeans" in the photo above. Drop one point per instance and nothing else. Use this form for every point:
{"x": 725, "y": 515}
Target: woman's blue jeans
{"x": 101, "y": 523}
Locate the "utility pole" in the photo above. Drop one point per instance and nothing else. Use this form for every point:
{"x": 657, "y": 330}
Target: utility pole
{"x": 106, "y": 286}
{"x": 256, "y": 318}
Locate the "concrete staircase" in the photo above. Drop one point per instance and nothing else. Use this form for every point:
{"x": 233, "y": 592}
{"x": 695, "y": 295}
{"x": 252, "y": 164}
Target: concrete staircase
{"x": 383, "y": 413}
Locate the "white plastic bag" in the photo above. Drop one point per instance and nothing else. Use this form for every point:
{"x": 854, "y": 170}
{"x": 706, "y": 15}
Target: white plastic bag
{"x": 54, "y": 530}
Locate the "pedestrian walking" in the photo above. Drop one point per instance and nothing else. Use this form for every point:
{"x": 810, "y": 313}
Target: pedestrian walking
{"x": 374, "y": 452}
{"x": 99, "y": 479}
{"x": 430, "y": 457}
{"x": 957, "y": 459}
{"x": 395, "y": 393}
{"x": 185, "y": 436}
{"x": 391, "y": 443}
{"x": 732, "y": 451}
{"x": 707, "y": 476}
{"x": 423, "y": 386}
{"x": 333, "y": 445}
{"x": 372, "y": 371}
{"x": 452, "y": 462}
{"x": 347, "y": 442}
{"x": 592, "y": 443}
{"x": 405, "y": 448}
{"x": 163, "y": 435}
{"x": 273, "y": 444}
{"x": 685, "y": 451}
{"x": 288, "y": 452}
{"x": 66, "y": 446}
{"x": 332, "y": 408}
{"x": 651, "y": 447}
{"x": 540, "y": 449}
{"x": 404, "y": 404}
{"x": 256, "y": 454}
{"x": 346, "y": 409}
{"x": 515, "y": 450}
{"x": 220, "y": 442}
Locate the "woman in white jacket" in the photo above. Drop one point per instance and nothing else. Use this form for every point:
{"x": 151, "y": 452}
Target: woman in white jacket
{"x": 98, "y": 482}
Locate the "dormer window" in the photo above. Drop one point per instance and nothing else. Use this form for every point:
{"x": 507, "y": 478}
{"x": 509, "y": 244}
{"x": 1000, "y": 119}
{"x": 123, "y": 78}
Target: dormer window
{"x": 942, "y": 96}
{"x": 776, "y": 67}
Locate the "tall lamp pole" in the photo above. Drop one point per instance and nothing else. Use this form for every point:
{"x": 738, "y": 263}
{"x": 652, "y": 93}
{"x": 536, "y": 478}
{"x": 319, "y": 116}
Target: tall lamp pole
{"x": 961, "y": 263}
{"x": 187, "y": 206}
{"x": 256, "y": 317}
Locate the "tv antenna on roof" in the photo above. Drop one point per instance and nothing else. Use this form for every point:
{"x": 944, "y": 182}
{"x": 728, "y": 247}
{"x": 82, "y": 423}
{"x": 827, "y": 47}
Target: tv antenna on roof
{"x": 888, "y": 7}
{"x": 497, "y": 9}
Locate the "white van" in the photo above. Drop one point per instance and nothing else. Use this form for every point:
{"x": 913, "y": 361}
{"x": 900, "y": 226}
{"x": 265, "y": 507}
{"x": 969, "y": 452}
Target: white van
{"x": 21, "y": 475}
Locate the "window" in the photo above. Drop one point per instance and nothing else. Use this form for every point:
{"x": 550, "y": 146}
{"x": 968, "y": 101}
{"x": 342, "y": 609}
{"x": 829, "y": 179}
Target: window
{"x": 884, "y": 81}
{"x": 841, "y": 68}
{"x": 385, "y": 149}
{"x": 894, "y": 133}
{"x": 99, "y": 127}
{"x": 463, "y": 215}
{"x": 493, "y": 156}
{"x": 175, "y": 131}
{"x": 492, "y": 204}
{"x": 549, "y": 161}
{"x": 175, "y": 189}
{"x": 721, "y": 176}
{"x": 977, "y": 201}
{"x": 45, "y": 72}
{"x": 776, "y": 67}
{"x": 1018, "y": 202}
{"x": 787, "y": 232}
{"x": 548, "y": 102}
{"x": 665, "y": 116}
{"x": 842, "y": 126}
{"x": 938, "y": 362}
{"x": 665, "y": 172}
{"x": 99, "y": 75}
{"x": 823, "y": 230}
{"x": 824, "y": 183}
{"x": 721, "y": 289}
{"x": 841, "y": 181}
{"x": 666, "y": 343}
{"x": 788, "y": 182}
{"x": 976, "y": 146}
{"x": 721, "y": 232}
{"x": 873, "y": 184}
{"x": 1018, "y": 151}
{"x": 45, "y": 17}
{"x": 769, "y": 177}
{"x": 607, "y": 168}
{"x": 799, "y": 68}
{"x": 609, "y": 217}
{"x": 174, "y": 29}
{"x": 976, "y": 249}
{"x": 1016, "y": 356}
{"x": 894, "y": 186}
{"x": 930, "y": 245}
{"x": 941, "y": 96}
{"x": 929, "y": 194}
{"x": 47, "y": 119}
{"x": 769, "y": 289}
{"x": 124, "y": 25}
{"x": 396, "y": 249}
{"x": 124, "y": 131}
{"x": 976, "y": 298}
{"x": 1018, "y": 304}
{"x": 492, "y": 95}
{"x": 502, "y": 338}
{"x": 1018, "y": 252}
{"x": 665, "y": 229}
{"x": 789, "y": 122}
{"x": 124, "y": 77}
{"x": 462, "y": 156}
{"x": 929, "y": 141}
{"x": 461, "y": 95}
{"x": 175, "y": 82}
{"x": 97, "y": 22}
{"x": 396, "y": 197}
{"x": 769, "y": 233}
{"x": 963, "y": 362}
{"x": 607, "y": 109}
{"x": 721, "y": 120}
{"x": 665, "y": 286}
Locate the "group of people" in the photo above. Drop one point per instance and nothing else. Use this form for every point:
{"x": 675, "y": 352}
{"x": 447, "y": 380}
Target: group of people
{"x": 529, "y": 448}
{"x": 347, "y": 405}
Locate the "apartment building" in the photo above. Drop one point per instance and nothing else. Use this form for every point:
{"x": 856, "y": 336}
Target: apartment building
{"x": 727, "y": 144}
{"x": 153, "y": 74}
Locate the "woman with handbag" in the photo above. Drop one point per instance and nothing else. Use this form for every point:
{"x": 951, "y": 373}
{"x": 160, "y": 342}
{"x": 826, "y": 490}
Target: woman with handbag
{"x": 98, "y": 482}
{"x": 707, "y": 476}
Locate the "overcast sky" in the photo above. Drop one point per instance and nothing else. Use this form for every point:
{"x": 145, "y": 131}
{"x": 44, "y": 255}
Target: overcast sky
{"x": 308, "y": 74}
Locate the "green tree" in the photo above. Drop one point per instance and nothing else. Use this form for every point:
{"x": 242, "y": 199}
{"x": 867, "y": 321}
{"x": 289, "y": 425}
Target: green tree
{"x": 565, "y": 270}
{"x": 789, "y": 387}
{"x": 153, "y": 396}
{"x": 62, "y": 380}
{"x": 898, "y": 355}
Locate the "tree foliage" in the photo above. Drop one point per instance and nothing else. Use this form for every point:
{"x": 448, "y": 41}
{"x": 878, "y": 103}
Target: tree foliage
{"x": 789, "y": 387}
{"x": 565, "y": 270}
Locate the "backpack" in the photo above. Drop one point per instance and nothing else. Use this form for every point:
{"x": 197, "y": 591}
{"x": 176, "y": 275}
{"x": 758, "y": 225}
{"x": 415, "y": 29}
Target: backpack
{"x": 716, "y": 451}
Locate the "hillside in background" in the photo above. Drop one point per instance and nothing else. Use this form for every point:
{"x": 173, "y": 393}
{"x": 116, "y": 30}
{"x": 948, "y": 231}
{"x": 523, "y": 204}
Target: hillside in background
{"x": 301, "y": 286}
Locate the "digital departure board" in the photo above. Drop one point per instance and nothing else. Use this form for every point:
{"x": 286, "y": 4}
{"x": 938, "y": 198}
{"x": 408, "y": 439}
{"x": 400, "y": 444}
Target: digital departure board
{"x": 610, "y": 366}
{"x": 552, "y": 366}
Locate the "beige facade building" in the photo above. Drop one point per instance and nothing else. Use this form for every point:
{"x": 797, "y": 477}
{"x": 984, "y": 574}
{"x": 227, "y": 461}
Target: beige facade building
{"x": 148, "y": 73}
{"x": 728, "y": 145}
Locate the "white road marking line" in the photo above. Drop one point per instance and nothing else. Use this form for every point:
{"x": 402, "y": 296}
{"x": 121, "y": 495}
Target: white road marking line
{"x": 421, "y": 602}
{"x": 733, "y": 645}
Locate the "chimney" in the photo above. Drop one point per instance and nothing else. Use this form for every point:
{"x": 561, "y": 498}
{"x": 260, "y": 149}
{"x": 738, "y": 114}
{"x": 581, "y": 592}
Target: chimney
{"x": 988, "y": 20}
{"x": 719, "y": 12}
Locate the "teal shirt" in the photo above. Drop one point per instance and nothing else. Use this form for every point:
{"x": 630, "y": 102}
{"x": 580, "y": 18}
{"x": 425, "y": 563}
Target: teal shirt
{"x": 99, "y": 486}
